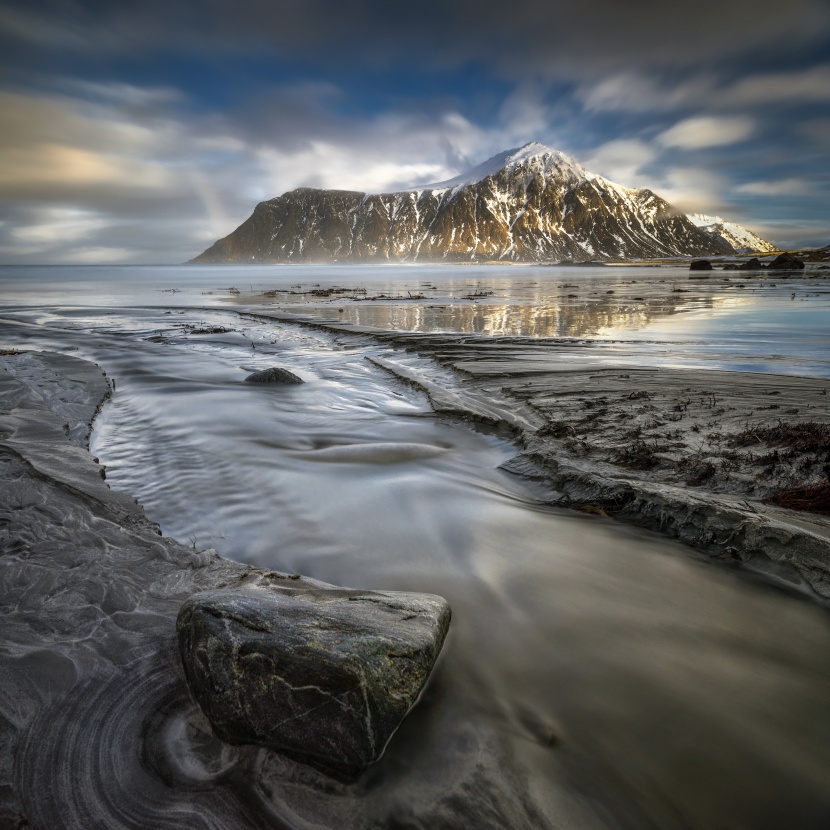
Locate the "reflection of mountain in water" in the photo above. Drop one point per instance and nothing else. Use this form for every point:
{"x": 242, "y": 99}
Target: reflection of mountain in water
{"x": 582, "y": 316}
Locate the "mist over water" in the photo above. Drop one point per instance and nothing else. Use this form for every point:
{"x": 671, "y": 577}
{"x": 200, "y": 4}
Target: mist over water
{"x": 595, "y": 675}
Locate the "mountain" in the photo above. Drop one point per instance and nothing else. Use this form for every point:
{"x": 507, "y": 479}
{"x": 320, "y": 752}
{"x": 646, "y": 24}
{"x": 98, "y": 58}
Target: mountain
{"x": 528, "y": 204}
{"x": 742, "y": 240}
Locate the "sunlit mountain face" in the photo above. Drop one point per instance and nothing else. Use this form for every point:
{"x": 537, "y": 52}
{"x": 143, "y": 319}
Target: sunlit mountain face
{"x": 528, "y": 204}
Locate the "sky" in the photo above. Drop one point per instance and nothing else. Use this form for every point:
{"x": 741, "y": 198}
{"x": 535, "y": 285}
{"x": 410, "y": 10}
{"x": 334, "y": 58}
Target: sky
{"x": 140, "y": 132}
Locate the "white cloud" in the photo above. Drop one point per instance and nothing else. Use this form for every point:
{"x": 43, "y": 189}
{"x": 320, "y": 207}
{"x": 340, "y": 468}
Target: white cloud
{"x": 387, "y": 153}
{"x": 707, "y": 131}
{"x": 524, "y": 114}
{"x": 86, "y": 175}
{"x": 779, "y": 87}
{"x": 124, "y": 94}
{"x": 621, "y": 161}
{"x": 692, "y": 189}
{"x": 327, "y": 165}
{"x": 778, "y": 187}
{"x": 636, "y": 92}
{"x": 55, "y": 225}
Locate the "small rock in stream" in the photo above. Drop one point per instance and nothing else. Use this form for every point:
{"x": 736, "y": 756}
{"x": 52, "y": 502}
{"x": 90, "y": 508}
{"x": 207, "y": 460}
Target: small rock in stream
{"x": 321, "y": 674}
{"x": 274, "y": 375}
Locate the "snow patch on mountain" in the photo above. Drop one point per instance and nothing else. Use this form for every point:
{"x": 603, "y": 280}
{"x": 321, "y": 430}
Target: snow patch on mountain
{"x": 741, "y": 239}
{"x": 537, "y": 156}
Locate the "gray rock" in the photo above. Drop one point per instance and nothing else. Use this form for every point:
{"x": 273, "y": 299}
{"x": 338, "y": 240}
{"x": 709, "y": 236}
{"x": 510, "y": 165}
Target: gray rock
{"x": 274, "y": 375}
{"x": 786, "y": 262}
{"x": 321, "y": 674}
{"x": 700, "y": 265}
{"x": 753, "y": 264}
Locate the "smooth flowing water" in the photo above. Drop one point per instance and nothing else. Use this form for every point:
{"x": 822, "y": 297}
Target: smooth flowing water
{"x": 595, "y": 675}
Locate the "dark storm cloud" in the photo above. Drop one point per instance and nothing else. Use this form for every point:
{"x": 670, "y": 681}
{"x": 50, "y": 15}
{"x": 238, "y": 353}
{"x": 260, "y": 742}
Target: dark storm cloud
{"x": 577, "y": 38}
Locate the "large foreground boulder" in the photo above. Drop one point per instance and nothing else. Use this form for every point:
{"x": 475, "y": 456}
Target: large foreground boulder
{"x": 700, "y": 265}
{"x": 324, "y": 675}
{"x": 275, "y": 374}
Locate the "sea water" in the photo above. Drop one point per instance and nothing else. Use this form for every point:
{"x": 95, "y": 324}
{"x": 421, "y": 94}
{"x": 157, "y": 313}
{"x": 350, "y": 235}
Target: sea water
{"x": 596, "y": 675}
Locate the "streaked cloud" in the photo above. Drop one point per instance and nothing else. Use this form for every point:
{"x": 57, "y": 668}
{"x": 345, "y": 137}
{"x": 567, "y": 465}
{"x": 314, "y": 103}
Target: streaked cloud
{"x": 788, "y": 234}
{"x": 692, "y": 189}
{"x": 622, "y": 161}
{"x": 638, "y": 92}
{"x": 808, "y": 85}
{"x": 529, "y": 38}
{"x": 775, "y": 188}
{"x": 707, "y": 131}
{"x": 56, "y": 166}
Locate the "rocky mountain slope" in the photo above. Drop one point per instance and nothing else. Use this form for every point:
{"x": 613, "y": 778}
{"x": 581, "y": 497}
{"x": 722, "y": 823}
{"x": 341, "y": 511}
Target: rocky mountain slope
{"x": 742, "y": 240}
{"x": 530, "y": 204}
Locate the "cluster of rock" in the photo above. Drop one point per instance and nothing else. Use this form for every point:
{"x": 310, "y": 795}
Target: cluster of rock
{"x": 783, "y": 262}
{"x": 819, "y": 254}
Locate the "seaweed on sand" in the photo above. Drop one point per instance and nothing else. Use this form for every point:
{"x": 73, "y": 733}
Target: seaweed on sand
{"x": 640, "y": 455}
{"x": 815, "y": 499}
{"x": 808, "y": 436}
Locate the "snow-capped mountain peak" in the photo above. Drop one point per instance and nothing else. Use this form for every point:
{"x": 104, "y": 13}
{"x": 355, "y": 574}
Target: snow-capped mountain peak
{"x": 534, "y": 154}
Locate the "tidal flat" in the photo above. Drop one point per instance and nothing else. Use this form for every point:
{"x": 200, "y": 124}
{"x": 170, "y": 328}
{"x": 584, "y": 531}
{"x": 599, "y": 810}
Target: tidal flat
{"x": 604, "y": 668}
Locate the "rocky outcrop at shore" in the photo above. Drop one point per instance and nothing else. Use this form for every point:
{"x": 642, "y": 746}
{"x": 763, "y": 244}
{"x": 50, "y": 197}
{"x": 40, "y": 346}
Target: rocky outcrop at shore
{"x": 753, "y": 264}
{"x": 786, "y": 262}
